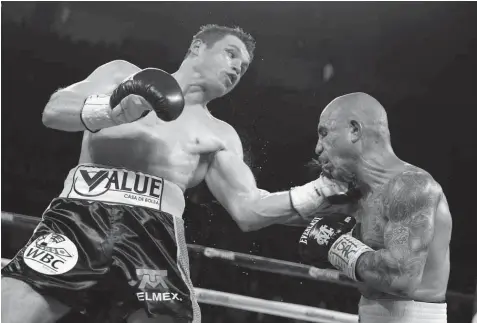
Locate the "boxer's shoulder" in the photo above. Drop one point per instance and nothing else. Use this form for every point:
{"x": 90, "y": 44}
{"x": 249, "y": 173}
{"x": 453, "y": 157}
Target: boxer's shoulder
{"x": 411, "y": 189}
{"x": 229, "y": 135}
{"x": 119, "y": 64}
{"x": 414, "y": 180}
{"x": 116, "y": 69}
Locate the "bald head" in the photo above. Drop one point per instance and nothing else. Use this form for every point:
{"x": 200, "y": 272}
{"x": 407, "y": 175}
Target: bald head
{"x": 357, "y": 106}
{"x": 360, "y": 109}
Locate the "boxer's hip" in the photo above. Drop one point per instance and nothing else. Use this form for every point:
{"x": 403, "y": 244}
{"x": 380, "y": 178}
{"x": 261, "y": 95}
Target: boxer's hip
{"x": 110, "y": 185}
{"x": 397, "y": 311}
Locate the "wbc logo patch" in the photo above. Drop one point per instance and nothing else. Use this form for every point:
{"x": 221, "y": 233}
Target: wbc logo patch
{"x": 51, "y": 254}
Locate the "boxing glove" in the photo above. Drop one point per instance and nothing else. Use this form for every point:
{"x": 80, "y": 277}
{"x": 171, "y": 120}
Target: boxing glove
{"x": 327, "y": 238}
{"x": 159, "y": 89}
{"x": 307, "y": 199}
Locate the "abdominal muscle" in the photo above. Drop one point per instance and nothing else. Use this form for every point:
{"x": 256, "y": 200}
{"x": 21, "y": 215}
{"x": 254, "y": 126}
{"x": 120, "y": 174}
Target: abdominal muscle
{"x": 151, "y": 146}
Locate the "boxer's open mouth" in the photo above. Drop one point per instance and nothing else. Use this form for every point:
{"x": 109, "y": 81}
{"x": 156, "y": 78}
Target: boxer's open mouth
{"x": 232, "y": 77}
{"x": 326, "y": 169}
{"x": 324, "y": 165}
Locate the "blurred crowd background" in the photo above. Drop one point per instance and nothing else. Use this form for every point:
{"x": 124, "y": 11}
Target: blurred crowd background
{"x": 418, "y": 59}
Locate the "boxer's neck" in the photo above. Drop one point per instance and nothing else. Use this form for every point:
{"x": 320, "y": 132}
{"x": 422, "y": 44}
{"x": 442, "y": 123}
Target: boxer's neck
{"x": 376, "y": 168}
{"x": 194, "y": 94}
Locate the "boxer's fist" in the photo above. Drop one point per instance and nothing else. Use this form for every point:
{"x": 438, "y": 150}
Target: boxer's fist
{"x": 157, "y": 87}
{"x": 321, "y": 234}
{"x": 149, "y": 89}
{"x": 133, "y": 107}
{"x": 309, "y": 198}
{"x": 334, "y": 191}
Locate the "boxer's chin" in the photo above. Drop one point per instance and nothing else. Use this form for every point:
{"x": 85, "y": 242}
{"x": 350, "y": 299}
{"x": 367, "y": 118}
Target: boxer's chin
{"x": 335, "y": 173}
{"x": 328, "y": 170}
{"x": 219, "y": 89}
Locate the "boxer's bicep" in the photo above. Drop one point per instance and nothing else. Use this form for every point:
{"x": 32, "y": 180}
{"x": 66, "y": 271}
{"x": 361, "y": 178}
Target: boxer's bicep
{"x": 397, "y": 269}
{"x": 232, "y": 183}
{"x": 63, "y": 110}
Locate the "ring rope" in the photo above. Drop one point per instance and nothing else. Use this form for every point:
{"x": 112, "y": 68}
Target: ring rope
{"x": 295, "y": 311}
{"x": 274, "y": 265}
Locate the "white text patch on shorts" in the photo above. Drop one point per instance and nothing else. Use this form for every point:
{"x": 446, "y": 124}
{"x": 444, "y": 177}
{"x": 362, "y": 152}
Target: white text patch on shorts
{"x": 116, "y": 186}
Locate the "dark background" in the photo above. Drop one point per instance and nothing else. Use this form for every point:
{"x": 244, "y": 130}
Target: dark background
{"x": 418, "y": 59}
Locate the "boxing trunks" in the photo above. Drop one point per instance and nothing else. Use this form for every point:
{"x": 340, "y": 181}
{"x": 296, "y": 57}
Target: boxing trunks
{"x": 112, "y": 238}
{"x": 392, "y": 311}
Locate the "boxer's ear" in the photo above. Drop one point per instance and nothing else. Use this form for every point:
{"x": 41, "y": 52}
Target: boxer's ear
{"x": 195, "y": 47}
{"x": 356, "y": 130}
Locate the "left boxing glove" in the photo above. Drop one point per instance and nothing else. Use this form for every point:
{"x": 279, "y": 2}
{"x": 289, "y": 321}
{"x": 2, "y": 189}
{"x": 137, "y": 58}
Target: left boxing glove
{"x": 309, "y": 198}
{"x": 159, "y": 89}
{"x": 326, "y": 238}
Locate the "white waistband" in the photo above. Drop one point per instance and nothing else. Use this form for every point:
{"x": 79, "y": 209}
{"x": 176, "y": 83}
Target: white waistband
{"x": 121, "y": 186}
{"x": 396, "y": 311}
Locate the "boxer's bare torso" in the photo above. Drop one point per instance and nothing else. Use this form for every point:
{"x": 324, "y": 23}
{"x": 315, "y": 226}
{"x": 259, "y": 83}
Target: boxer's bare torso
{"x": 178, "y": 151}
{"x": 372, "y": 216}
{"x": 159, "y": 148}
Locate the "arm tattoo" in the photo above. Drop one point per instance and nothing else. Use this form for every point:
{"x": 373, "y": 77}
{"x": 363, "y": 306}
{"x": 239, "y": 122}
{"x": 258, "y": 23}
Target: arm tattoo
{"x": 409, "y": 206}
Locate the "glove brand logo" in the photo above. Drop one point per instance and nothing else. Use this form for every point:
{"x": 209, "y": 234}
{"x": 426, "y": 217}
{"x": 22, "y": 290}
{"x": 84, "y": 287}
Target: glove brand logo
{"x": 51, "y": 254}
{"x": 323, "y": 234}
{"x": 116, "y": 185}
{"x": 304, "y": 236}
{"x": 151, "y": 279}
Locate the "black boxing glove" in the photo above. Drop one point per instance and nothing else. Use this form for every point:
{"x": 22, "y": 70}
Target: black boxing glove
{"x": 158, "y": 88}
{"x": 326, "y": 238}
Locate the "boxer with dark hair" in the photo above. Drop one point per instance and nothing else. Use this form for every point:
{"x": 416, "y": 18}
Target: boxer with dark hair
{"x": 115, "y": 235}
{"x": 399, "y": 248}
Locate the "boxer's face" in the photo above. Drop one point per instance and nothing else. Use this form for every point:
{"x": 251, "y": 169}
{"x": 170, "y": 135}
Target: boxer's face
{"x": 336, "y": 153}
{"x": 222, "y": 65}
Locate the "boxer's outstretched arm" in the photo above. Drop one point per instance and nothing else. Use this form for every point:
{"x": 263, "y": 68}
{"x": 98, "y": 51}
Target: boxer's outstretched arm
{"x": 63, "y": 110}
{"x": 232, "y": 183}
{"x": 410, "y": 207}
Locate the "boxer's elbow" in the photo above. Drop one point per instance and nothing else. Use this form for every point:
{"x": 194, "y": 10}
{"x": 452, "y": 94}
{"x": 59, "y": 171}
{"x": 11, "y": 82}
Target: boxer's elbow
{"x": 245, "y": 216}
{"x": 249, "y": 226}
{"x": 405, "y": 285}
{"x": 49, "y": 117}
{"x": 244, "y": 219}
{"x": 57, "y": 116}
{"x": 245, "y": 227}
{"x": 53, "y": 119}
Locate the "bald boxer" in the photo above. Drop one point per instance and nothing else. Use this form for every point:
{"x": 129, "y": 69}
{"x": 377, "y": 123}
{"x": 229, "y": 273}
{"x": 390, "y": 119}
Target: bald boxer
{"x": 399, "y": 248}
{"x": 115, "y": 235}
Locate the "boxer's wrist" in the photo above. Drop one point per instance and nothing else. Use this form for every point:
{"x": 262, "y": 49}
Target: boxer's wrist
{"x": 344, "y": 254}
{"x": 96, "y": 113}
{"x": 306, "y": 199}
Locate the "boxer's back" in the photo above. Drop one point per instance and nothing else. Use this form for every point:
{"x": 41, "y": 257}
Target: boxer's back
{"x": 155, "y": 147}
{"x": 372, "y": 220}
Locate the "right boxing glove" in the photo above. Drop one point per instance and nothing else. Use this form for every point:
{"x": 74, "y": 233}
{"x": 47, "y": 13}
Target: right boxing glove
{"x": 159, "y": 89}
{"x": 307, "y": 199}
{"x": 320, "y": 234}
